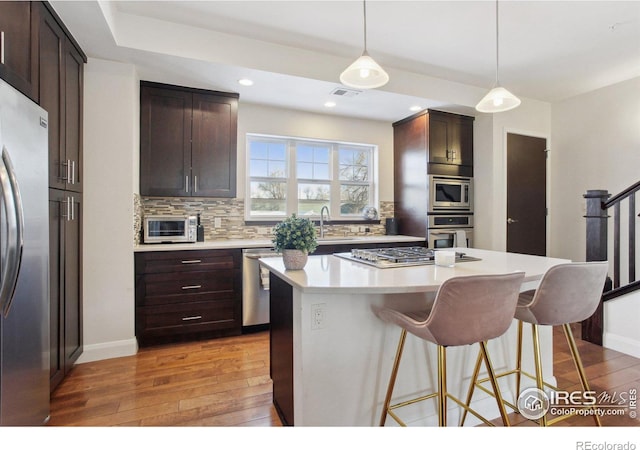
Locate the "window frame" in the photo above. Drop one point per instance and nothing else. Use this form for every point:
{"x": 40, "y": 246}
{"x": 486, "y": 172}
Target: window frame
{"x": 292, "y": 201}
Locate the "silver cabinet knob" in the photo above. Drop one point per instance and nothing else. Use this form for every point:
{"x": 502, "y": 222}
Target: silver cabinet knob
{"x": 510, "y": 220}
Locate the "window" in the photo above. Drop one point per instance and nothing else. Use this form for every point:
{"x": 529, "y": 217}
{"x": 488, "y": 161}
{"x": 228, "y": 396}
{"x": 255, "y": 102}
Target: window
{"x": 292, "y": 175}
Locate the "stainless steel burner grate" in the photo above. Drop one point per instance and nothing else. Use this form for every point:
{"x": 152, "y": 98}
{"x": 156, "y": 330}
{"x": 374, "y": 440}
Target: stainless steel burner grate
{"x": 397, "y": 256}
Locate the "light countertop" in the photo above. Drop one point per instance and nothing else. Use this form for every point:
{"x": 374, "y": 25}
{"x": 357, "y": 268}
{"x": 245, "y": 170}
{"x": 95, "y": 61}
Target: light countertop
{"x": 266, "y": 242}
{"x": 328, "y": 273}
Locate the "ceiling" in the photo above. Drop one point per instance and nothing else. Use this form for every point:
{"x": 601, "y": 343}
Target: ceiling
{"x": 438, "y": 53}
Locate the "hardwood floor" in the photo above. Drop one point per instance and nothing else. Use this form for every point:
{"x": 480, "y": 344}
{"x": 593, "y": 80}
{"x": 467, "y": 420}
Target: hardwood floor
{"x": 225, "y": 382}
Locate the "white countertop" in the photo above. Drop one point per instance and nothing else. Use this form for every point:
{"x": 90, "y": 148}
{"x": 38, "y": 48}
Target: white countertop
{"x": 266, "y": 242}
{"x": 328, "y": 273}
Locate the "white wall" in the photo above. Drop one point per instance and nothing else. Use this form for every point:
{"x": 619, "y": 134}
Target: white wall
{"x": 111, "y": 121}
{"x": 596, "y": 143}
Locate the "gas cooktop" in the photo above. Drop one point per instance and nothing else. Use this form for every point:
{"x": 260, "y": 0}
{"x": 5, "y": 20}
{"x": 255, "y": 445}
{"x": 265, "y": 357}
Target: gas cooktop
{"x": 384, "y": 258}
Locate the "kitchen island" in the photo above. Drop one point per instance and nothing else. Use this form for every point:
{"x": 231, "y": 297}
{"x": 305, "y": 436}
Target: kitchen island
{"x": 331, "y": 356}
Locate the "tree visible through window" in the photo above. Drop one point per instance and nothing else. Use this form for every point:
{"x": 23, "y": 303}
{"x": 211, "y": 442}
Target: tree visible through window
{"x": 288, "y": 175}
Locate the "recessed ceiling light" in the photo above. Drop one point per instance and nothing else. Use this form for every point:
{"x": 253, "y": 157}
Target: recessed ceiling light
{"x": 330, "y": 104}
{"x": 245, "y": 82}
{"x": 415, "y": 108}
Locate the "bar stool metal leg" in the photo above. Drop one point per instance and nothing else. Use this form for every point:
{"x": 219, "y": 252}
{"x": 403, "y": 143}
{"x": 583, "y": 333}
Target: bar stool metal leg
{"x": 472, "y": 386}
{"x": 494, "y": 384}
{"x": 538, "y": 364}
{"x": 442, "y": 386}
{"x": 519, "y": 359}
{"x": 392, "y": 379}
{"x": 579, "y": 367}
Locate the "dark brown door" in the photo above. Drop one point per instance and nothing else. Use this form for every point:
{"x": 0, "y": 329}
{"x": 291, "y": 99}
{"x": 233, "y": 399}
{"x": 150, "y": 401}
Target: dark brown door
{"x": 165, "y": 142}
{"x": 213, "y": 151}
{"x": 526, "y": 194}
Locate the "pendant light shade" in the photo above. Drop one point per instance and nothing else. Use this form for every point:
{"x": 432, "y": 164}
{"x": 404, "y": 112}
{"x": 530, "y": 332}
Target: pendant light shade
{"x": 364, "y": 72}
{"x": 497, "y": 99}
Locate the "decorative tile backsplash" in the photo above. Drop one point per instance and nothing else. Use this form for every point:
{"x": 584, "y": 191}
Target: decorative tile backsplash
{"x": 230, "y": 213}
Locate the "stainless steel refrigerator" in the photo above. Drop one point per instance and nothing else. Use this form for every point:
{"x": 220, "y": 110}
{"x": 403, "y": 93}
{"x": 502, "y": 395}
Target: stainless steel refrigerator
{"x": 24, "y": 261}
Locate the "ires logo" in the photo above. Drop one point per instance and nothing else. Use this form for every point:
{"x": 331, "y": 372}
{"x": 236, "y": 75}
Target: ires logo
{"x": 534, "y": 403}
{"x": 564, "y": 398}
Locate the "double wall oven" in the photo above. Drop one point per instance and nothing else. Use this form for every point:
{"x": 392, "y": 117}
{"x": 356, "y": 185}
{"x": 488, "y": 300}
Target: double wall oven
{"x": 450, "y": 213}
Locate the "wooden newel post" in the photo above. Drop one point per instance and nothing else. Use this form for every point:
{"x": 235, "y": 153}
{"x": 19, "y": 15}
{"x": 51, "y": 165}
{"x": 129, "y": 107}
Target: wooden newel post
{"x": 596, "y": 225}
{"x": 596, "y": 250}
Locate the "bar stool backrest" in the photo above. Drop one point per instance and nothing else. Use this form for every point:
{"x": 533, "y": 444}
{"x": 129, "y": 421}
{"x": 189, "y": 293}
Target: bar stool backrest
{"x": 567, "y": 293}
{"x": 470, "y": 309}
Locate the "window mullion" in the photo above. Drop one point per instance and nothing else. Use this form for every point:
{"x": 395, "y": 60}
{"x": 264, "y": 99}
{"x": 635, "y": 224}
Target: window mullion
{"x": 292, "y": 185}
{"x": 334, "y": 196}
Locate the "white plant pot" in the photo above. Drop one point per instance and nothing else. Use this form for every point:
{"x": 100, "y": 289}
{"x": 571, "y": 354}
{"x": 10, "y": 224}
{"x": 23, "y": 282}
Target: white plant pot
{"x": 294, "y": 259}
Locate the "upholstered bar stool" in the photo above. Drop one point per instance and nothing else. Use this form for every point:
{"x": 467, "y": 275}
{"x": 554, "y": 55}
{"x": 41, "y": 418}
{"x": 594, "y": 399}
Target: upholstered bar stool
{"x": 568, "y": 293}
{"x": 466, "y": 310}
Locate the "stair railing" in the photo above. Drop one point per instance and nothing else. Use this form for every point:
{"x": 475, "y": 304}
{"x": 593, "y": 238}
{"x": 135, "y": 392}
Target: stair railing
{"x": 599, "y": 206}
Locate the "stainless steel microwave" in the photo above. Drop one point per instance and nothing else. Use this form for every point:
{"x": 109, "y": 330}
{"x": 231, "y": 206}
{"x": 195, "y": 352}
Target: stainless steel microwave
{"x": 447, "y": 193}
{"x": 169, "y": 229}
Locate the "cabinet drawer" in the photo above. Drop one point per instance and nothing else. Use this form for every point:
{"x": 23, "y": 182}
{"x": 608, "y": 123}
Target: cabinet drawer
{"x": 185, "y": 318}
{"x": 185, "y": 261}
{"x": 188, "y": 283}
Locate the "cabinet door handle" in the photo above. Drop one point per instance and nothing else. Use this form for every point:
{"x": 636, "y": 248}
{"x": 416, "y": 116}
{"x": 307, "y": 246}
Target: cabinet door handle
{"x": 1, "y": 47}
{"x": 193, "y": 286}
{"x": 73, "y": 214}
{"x": 67, "y": 216}
{"x": 191, "y": 261}
{"x": 195, "y": 183}
{"x": 192, "y": 318}
{"x": 186, "y": 183}
{"x": 65, "y": 166}
{"x": 73, "y": 172}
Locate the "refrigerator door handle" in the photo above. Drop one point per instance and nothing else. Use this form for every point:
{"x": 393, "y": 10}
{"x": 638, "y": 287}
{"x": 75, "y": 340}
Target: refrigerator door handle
{"x": 15, "y": 230}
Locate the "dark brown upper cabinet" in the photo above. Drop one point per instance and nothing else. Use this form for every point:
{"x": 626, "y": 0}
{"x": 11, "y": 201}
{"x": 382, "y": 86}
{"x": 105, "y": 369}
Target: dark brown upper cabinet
{"x": 19, "y": 46}
{"x": 441, "y": 140}
{"x": 188, "y": 141}
{"x": 61, "y": 70}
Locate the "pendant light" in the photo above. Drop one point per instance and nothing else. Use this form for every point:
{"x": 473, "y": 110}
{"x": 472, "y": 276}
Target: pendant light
{"x": 497, "y": 99}
{"x": 364, "y": 73}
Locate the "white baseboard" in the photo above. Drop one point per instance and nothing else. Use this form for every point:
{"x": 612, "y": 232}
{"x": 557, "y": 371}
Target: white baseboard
{"x": 107, "y": 350}
{"x": 621, "y": 344}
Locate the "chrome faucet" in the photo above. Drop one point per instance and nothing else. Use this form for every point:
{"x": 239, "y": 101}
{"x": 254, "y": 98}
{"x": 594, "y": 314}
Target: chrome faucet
{"x": 322, "y": 219}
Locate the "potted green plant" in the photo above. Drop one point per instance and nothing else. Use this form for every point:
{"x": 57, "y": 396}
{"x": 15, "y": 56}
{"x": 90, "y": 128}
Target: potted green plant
{"x": 295, "y": 238}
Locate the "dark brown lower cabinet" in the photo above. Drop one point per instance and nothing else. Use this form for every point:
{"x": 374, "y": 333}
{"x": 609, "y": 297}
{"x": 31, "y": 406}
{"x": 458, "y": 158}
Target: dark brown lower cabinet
{"x": 65, "y": 275}
{"x": 281, "y": 347}
{"x": 188, "y": 295}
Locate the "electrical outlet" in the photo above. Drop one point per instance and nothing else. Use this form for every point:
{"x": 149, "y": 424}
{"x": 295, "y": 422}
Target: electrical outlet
{"x": 217, "y": 222}
{"x": 318, "y": 316}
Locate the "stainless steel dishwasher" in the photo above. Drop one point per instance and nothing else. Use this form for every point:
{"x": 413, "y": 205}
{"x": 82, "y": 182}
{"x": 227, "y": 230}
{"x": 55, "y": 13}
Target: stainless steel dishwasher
{"x": 255, "y": 287}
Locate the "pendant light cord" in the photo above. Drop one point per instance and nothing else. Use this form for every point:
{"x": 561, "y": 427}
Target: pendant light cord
{"x": 364, "y": 8}
{"x": 497, "y": 44}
